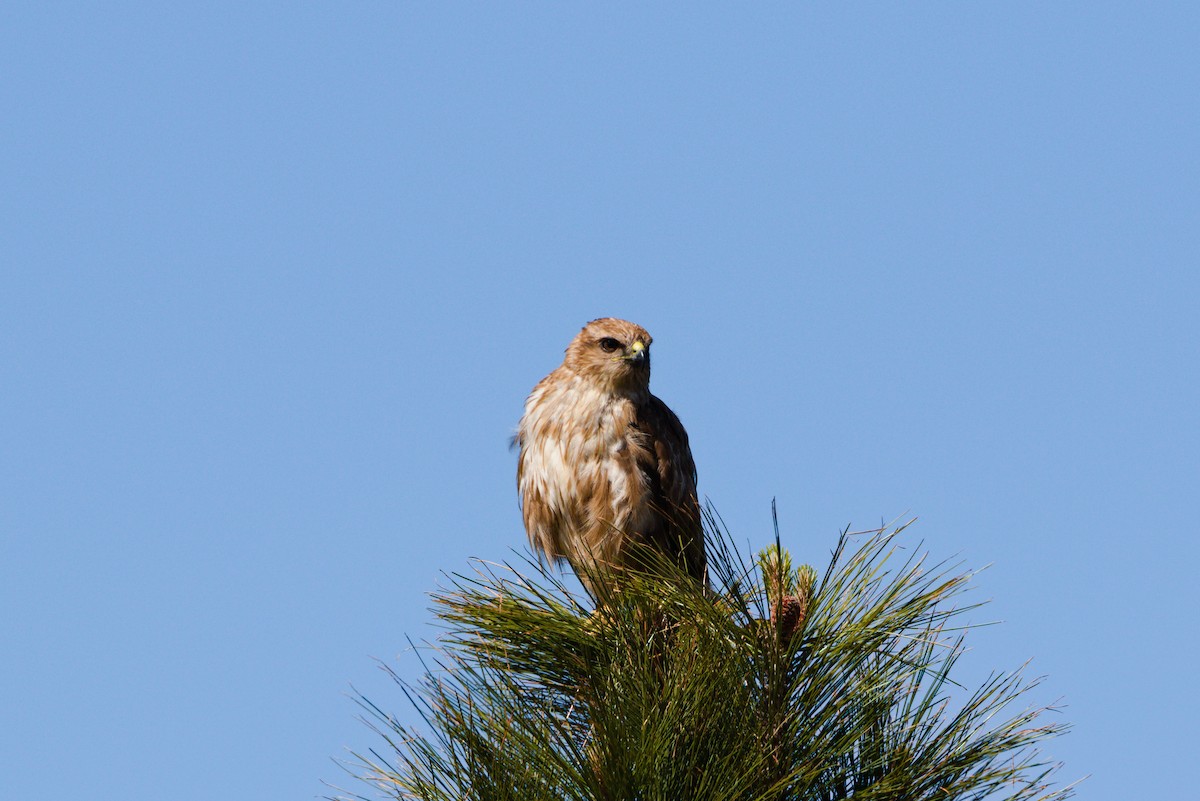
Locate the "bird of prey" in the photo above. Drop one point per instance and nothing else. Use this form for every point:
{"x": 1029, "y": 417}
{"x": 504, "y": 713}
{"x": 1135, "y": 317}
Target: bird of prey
{"x": 604, "y": 466}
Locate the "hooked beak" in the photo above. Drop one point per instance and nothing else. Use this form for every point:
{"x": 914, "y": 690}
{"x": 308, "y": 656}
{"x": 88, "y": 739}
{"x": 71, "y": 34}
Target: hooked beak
{"x": 638, "y": 352}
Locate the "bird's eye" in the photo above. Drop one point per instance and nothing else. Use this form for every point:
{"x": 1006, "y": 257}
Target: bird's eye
{"x": 608, "y": 344}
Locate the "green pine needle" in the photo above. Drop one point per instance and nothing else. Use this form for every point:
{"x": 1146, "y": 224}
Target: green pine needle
{"x": 674, "y": 691}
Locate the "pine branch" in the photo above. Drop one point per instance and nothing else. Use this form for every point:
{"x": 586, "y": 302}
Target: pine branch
{"x": 771, "y": 685}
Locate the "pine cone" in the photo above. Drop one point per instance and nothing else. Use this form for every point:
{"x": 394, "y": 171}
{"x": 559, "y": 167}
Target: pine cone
{"x": 789, "y": 615}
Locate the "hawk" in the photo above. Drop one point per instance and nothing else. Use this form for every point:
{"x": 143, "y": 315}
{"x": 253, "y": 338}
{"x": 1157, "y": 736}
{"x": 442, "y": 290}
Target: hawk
{"x": 605, "y": 466}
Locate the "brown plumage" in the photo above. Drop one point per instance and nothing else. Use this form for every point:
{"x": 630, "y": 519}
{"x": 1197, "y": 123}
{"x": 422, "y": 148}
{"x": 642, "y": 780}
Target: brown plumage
{"x": 604, "y": 465}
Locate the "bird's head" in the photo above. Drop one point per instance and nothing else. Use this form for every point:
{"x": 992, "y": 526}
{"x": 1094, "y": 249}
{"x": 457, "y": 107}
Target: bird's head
{"x": 613, "y": 353}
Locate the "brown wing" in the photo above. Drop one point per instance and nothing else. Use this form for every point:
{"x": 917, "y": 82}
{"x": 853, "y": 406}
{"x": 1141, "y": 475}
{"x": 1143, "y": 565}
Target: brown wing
{"x": 543, "y": 523}
{"x": 673, "y": 484}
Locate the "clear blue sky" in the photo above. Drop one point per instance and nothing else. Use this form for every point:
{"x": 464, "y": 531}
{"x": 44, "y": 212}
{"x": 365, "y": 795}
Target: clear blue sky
{"x": 277, "y": 278}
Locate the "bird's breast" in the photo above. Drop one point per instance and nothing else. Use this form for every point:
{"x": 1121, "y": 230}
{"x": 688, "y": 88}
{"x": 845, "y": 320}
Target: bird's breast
{"x": 577, "y": 445}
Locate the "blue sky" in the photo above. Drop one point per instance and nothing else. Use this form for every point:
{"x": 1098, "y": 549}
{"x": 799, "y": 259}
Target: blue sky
{"x": 278, "y": 277}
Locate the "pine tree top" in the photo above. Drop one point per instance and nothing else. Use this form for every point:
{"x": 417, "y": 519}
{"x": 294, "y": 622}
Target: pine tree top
{"x": 771, "y": 684}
